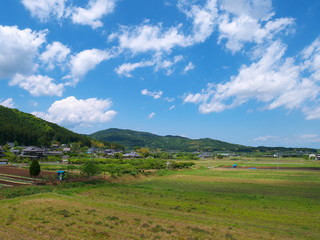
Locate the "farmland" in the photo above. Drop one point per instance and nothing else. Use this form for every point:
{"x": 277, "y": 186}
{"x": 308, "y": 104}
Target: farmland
{"x": 199, "y": 203}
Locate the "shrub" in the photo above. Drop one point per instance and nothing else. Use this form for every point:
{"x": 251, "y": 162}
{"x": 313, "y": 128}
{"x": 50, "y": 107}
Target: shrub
{"x": 34, "y": 169}
{"x": 90, "y": 169}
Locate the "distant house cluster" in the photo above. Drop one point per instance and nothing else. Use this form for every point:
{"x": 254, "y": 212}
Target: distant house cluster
{"x": 63, "y": 151}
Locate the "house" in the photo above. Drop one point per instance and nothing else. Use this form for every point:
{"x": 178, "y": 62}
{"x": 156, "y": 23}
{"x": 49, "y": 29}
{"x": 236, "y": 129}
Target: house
{"x": 109, "y": 152}
{"x": 15, "y": 151}
{"x": 32, "y": 152}
{"x": 204, "y": 155}
{"x": 132, "y": 154}
{"x": 3, "y": 162}
{"x": 66, "y": 150}
{"x": 1, "y": 152}
{"x": 318, "y": 157}
{"x": 53, "y": 153}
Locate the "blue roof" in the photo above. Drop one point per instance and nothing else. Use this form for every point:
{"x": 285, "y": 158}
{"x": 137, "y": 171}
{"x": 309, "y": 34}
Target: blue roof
{"x": 61, "y": 171}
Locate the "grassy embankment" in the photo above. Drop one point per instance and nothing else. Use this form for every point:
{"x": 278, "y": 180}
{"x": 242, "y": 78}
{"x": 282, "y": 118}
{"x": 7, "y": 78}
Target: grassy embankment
{"x": 189, "y": 204}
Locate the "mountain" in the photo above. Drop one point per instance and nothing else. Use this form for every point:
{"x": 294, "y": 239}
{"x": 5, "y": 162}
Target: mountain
{"x": 27, "y": 129}
{"x": 133, "y": 139}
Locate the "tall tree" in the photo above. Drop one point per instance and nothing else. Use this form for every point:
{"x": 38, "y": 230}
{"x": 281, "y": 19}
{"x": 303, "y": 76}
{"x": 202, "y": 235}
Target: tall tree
{"x": 34, "y": 169}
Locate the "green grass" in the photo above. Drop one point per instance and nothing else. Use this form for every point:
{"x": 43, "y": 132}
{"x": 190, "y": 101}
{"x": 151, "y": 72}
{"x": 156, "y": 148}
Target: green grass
{"x": 189, "y": 204}
{"x": 259, "y": 162}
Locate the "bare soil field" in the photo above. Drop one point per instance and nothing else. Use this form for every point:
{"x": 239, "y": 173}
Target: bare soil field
{"x": 11, "y": 176}
{"x": 11, "y": 170}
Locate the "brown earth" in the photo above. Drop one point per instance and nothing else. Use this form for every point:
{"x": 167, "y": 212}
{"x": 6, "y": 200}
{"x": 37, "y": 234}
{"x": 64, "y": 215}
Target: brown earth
{"x": 11, "y": 170}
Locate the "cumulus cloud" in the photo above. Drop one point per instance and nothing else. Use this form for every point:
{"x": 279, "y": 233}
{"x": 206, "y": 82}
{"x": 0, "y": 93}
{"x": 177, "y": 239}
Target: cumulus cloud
{"x": 203, "y": 17}
{"x": 45, "y": 9}
{"x": 8, "y": 103}
{"x": 151, "y": 115}
{"x": 154, "y": 94}
{"x": 37, "y": 85}
{"x": 18, "y": 50}
{"x": 83, "y": 62}
{"x": 273, "y": 79}
{"x": 146, "y": 37}
{"x": 55, "y": 54}
{"x": 247, "y": 21}
{"x": 72, "y": 112}
{"x": 157, "y": 38}
{"x": 92, "y": 14}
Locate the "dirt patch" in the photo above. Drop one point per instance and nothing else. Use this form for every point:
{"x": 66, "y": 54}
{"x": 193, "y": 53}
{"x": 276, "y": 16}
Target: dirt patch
{"x": 11, "y": 170}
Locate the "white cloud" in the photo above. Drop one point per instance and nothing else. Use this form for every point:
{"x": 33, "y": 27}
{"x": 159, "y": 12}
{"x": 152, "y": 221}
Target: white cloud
{"x": 311, "y": 56}
{"x": 154, "y": 94}
{"x": 37, "y": 85}
{"x": 312, "y": 113}
{"x": 169, "y": 99}
{"x": 72, "y": 112}
{"x": 146, "y": 37}
{"x": 157, "y": 61}
{"x": 166, "y": 64}
{"x": 188, "y": 68}
{"x": 267, "y": 138}
{"x": 126, "y": 68}
{"x": 204, "y": 18}
{"x": 8, "y": 103}
{"x": 156, "y": 38}
{"x": 247, "y": 21}
{"x": 300, "y": 139}
{"x": 151, "y": 115}
{"x": 56, "y": 53}
{"x": 273, "y": 80}
{"x": 172, "y": 107}
{"x": 45, "y": 9}
{"x": 258, "y": 9}
{"x": 18, "y": 50}
{"x": 92, "y": 14}
{"x": 85, "y": 61}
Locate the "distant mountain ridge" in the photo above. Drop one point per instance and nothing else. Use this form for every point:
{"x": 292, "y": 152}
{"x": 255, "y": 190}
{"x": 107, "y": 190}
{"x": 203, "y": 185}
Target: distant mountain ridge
{"x": 131, "y": 139}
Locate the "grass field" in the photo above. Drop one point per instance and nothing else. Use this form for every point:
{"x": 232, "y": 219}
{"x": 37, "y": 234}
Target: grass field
{"x": 190, "y": 204}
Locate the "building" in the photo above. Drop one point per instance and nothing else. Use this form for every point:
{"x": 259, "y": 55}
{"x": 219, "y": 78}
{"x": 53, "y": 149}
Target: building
{"x": 32, "y": 152}
{"x": 2, "y": 152}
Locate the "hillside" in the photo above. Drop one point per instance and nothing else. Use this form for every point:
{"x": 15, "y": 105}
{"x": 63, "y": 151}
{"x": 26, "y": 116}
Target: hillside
{"x": 28, "y": 129}
{"x": 133, "y": 139}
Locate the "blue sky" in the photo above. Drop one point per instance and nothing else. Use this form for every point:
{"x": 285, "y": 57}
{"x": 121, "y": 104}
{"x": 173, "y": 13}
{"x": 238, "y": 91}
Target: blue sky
{"x": 245, "y": 71}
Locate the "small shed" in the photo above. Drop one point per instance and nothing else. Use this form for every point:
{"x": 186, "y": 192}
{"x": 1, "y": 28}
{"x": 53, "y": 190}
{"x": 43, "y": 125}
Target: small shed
{"x": 3, "y": 161}
{"x": 61, "y": 174}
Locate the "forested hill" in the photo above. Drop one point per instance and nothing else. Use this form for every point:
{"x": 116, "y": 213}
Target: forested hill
{"x": 26, "y": 129}
{"x": 133, "y": 139}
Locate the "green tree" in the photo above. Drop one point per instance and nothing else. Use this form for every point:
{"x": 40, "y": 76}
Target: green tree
{"x": 144, "y": 152}
{"x": 90, "y": 169}
{"x": 34, "y": 169}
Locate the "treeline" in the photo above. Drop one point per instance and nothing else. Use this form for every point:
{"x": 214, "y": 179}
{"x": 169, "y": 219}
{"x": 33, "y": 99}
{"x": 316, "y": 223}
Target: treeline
{"x": 27, "y": 129}
{"x": 119, "y": 167}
